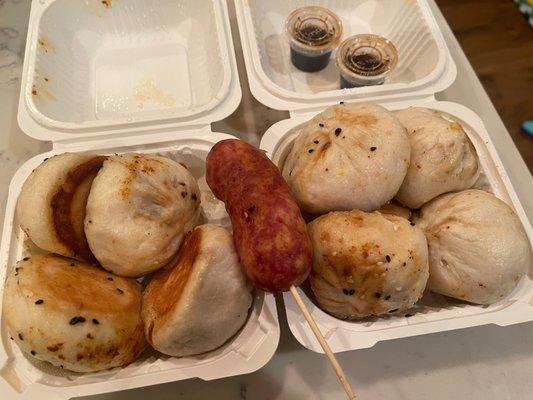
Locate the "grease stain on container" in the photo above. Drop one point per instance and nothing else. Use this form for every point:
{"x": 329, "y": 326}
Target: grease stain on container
{"x": 44, "y": 44}
{"x": 39, "y": 91}
{"x": 146, "y": 90}
{"x": 313, "y": 32}
{"x": 49, "y": 95}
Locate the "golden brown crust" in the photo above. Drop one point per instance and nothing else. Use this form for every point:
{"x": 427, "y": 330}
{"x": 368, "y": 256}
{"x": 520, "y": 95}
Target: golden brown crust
{"x": 73, "y": 314}
{"x": 130, "y": 346}
{"x": 395, "y": 208}
{"x": 366, "y": 263}
{"x": 354, "y": 268}
{"x": 349, "y": 118}
{"x": 137, "y": 164}
{"x": 166, "y": 286}
{"x": 150, "y": 202}
{"x": 65, "y": 282}
{"x": 68, "y": 207}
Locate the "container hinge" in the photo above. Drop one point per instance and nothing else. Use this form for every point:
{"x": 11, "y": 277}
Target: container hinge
{"x": 128, "y": 139}
{"x": 388, "y": 102}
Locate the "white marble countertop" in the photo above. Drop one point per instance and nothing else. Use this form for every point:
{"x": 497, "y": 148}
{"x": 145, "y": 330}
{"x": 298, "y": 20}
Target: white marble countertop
{"x": 489, "y": 362}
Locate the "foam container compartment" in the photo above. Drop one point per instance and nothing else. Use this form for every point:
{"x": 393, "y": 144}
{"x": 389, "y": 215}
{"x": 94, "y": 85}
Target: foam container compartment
{"x": 251, "y": 348}
{"x": 433, "y": 313}
{"x": 424, "y": 63}
{"x": 128, "y": 76}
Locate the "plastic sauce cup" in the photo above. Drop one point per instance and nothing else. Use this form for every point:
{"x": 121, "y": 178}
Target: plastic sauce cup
{"x": 365, "y": 60}
{"x": 313, "y": 32}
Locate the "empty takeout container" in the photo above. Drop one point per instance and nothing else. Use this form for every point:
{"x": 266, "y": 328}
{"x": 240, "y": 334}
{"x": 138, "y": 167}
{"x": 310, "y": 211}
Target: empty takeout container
{"x": 99, "y": 67}
{"x": 424, "y": 68}
{"x": 121, "y": 76}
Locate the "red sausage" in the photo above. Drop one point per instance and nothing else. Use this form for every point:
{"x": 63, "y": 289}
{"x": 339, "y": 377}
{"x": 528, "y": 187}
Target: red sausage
{"x": 269, "y": 232}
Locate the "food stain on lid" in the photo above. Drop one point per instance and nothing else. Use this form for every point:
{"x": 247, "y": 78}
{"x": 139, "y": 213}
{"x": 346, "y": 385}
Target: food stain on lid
{"x": 49, "y": 95}
{"x": 45, "y": 44}
{"x": 146, "y": 91}
{"x": 37, "y": 92}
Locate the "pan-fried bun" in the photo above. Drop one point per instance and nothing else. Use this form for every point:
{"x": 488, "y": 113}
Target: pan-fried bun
{"x": 72, "y": 314}
{"x": 139, "y": 209}
{"x": 443, "y": 159}
{"x": 51, "y": 205}
{"x": 202, "y": 300}
{"x": 367, "y": 263}
{"x": 478, "y": 249}
{"x": 350, "y": 156}
{"x": 395, "y": 208}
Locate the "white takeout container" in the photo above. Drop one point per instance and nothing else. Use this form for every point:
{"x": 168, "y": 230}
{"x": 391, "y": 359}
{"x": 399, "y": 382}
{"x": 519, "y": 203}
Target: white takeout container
{"x": 424, "y": 62}
{"x": 434, "y": 313}
{"x": 92, "y": 70}
{"x": 424, "y": 68}
{"x": 184, "y": 50}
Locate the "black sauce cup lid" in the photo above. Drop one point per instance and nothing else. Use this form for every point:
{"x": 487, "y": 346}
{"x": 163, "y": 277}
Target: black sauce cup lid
{"x": 366, "y": 58}
{"x": 313, "y": 29}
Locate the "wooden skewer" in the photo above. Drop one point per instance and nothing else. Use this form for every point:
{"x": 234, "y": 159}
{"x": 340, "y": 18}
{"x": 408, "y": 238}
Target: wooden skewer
{"x": 331, "y": 357}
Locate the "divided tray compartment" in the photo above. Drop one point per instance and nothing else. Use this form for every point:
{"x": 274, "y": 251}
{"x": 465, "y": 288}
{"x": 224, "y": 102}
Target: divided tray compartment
{"x": 424, "y": 63}
{"x": 433, "y": 313}
{"x": 128, "y": 76}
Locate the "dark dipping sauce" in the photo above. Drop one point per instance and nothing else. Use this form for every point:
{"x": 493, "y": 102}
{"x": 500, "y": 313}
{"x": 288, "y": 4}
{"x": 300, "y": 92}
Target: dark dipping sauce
{"x": 365, "y": 64}
{"x": 309, "y": 63}
{"x": 311, "y": 35}
{"x": 366, "y": 61}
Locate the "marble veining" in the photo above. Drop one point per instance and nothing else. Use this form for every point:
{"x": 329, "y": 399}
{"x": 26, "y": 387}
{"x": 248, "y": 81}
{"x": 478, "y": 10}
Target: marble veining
{"x": 11, "y": 39}
{"x": 15, "y": 146}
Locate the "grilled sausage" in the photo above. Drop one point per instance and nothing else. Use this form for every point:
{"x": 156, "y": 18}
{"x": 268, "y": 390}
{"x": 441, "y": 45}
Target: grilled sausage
{"x": 269, "y": 231}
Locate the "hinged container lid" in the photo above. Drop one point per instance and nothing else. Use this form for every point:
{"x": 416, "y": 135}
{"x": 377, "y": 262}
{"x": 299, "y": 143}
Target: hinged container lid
{"x": 112, "y": 69}
{"x": 425, "y": 66}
